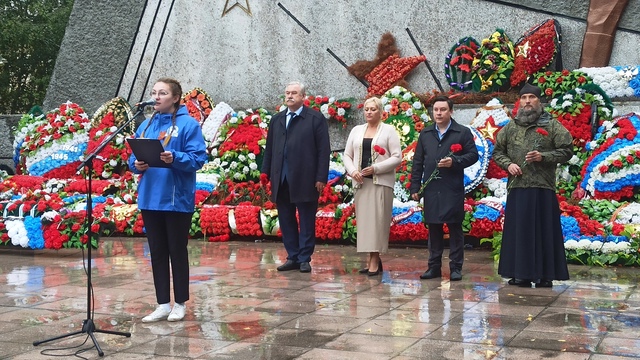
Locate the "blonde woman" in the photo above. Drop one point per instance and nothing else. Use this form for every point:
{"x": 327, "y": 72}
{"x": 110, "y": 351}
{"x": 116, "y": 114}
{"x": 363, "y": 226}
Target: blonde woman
{"x": 371, "y": 156}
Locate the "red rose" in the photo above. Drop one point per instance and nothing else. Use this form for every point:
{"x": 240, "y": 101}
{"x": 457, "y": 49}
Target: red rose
{"x": 630, "y": 159}
{"x": 541, "y": 80}
{"x": 565, "y": 72}
{"x": 604, "y": 169}
{"x": 548, "y": 91}
{"x": 456, "y": 147}
{"x": 582, "y": 80}
{"x": 617, "y": 163}
{"x": 559, "y": 79}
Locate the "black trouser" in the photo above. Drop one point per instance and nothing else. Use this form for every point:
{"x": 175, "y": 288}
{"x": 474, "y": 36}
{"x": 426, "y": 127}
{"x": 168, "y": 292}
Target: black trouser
{"x": 299, "y": 238}
{"x": 436, "y": 245}
{"x": 168, "y": 235}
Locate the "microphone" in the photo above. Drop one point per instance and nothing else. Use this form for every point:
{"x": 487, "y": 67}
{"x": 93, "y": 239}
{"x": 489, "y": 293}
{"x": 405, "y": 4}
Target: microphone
{"x": 146, "y": 103}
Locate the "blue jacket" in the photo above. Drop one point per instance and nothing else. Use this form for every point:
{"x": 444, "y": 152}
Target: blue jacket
{"x": 172, "y": 189}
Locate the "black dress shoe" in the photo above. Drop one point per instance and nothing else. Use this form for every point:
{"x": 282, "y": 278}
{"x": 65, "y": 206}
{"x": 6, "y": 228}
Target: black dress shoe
{"x": 289, "y": 265}
{"x": 544, "y": 283}
{"x": 305, "y": 267}
{"x": 514, "y": 281}
{"x": 431, "y": 274}
{"x": 363, "y": 271}
{"x": 456, "y": 275}
{"x": 374, "y": 273}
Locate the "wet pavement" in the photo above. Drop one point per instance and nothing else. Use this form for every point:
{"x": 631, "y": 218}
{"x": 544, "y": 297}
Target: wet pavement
{"x": 242, "y": 308}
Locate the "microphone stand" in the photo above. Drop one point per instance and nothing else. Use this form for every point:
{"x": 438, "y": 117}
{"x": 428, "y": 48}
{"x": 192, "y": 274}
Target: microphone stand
{"x": 88, "y": 326}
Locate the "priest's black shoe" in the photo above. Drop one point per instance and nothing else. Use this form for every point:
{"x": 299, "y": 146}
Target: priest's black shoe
{"x": 305, "y": 267}
{"x": 544, "y": 283}
{"x": 525, "y": 283}
{"x": 289, "y": 265}
{"x": 431, "y": 274}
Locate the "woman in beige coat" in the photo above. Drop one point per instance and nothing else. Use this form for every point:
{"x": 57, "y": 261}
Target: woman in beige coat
{"x": 371, "y": 156}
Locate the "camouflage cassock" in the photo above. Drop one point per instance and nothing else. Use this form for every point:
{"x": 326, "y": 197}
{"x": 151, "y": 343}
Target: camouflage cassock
{"x": 515, "y": 140}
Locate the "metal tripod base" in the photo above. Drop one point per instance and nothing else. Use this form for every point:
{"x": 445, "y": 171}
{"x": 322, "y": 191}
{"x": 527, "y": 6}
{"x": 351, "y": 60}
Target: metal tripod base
{"x": 89, "y": 328}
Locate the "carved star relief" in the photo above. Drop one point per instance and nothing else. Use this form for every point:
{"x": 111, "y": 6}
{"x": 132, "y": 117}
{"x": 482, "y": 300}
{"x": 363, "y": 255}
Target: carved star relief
{"x": 228, "y": 8}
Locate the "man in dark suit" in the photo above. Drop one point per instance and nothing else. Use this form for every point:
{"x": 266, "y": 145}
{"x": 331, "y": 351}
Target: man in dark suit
{"x": 444, "y": 196}
{"x": 296, "y": 160}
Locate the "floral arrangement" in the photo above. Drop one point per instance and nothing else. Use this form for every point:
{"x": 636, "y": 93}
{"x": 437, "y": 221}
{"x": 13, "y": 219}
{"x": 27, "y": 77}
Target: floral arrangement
{"x": 214, "y": 221}
{"x": 632, "y": 75}
{"x": 613, "y": 82}
{"x": 610, "y": 171}
{"x": 388, "y": 72}
{"x": 112, "y": 160}
{"x": 490, "y": 119}
{"x": 331, "y": 221}
{"x": 493, "y": 63}
{"x": 332, "y": 109}
{"x": 403, "y": 173}
{"x": 247, "y": 219}
{"x": 556, "y": 83}
{"x": 212, "y": 125}
{"x": 573, "y": 111}
{"x": 457, "y": 64}
{"x": 535, "y": 51}
{"x": 406, "y": 113}
{"x": 198, "y": 103}
{"x": 121, "y": 111}
{"x": 242, "y": 140}
{"x": 43, "y": 212}
{"x": 55, "y": 147}
{"x": 26, "y": 125}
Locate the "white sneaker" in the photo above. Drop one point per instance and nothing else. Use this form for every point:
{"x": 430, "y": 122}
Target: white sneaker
{"x": 160, "y": 313}
{"x": 177, "y": 313}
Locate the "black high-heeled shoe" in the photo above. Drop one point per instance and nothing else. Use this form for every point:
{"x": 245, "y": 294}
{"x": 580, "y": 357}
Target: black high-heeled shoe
{"x": 363, "y": 271}
{"x": 379, "y": 271}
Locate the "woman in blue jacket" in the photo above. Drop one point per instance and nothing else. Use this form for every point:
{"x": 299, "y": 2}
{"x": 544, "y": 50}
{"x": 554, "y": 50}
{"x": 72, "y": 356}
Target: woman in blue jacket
{"x": 166, "y": 196}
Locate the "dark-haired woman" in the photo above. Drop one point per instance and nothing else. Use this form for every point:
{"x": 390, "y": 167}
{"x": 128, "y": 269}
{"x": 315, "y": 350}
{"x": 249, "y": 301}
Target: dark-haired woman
{"x": 166, "y": 196}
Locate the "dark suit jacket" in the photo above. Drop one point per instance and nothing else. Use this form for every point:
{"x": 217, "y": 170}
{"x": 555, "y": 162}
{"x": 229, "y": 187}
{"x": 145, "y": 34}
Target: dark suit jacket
{"x": 444, "y": 197}
{"x": 308, "y": 152}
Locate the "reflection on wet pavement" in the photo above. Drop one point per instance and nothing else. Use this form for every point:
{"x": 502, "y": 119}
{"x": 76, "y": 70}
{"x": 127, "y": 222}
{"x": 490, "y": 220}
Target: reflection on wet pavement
{"x": 242, "y": 308}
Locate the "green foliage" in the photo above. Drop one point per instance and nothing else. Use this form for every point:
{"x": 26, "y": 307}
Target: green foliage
{"x": 31, "y": 32}
{"x": 496, "y": 244}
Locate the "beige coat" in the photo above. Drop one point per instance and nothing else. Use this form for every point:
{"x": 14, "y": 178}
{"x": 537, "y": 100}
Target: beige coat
{"x": 384, "y": 167}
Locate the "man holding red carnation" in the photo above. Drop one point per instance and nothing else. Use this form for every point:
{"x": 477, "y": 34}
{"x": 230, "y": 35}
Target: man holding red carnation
{"x": 443, "y": 151}
{"x": 529, "y": 148}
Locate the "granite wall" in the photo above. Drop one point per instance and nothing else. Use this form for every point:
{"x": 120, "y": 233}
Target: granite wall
{"x": 246, "y": 59}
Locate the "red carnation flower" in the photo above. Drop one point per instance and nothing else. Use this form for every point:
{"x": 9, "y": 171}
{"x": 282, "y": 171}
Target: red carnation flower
{"x": 548, "y": 91}
{"x": 380, "y": 150}
{"x": 455, "y": 148}
{"x": 541, "y": 80}
{"x": 565, "y": 72}
{"x": 542, "y": 131}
